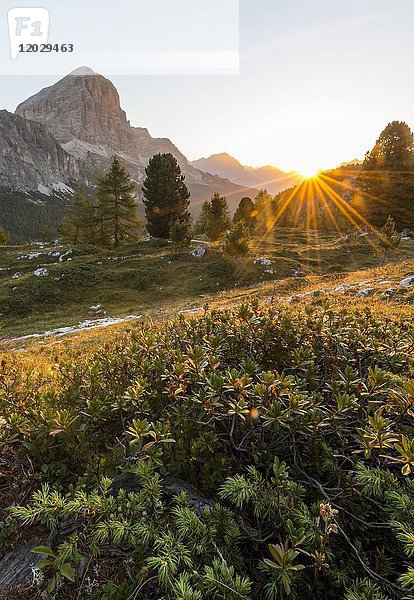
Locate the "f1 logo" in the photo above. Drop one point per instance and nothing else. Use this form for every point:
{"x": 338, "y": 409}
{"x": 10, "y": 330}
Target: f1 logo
{"x": 27, "y": 25}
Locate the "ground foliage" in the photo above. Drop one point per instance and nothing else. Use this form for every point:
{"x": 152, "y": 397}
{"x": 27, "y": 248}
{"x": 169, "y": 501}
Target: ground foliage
{"x": 296, "y": 424}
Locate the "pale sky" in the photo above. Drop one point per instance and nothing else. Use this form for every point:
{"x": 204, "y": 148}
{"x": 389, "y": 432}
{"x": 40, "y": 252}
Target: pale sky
{"x": 318, "y": 81}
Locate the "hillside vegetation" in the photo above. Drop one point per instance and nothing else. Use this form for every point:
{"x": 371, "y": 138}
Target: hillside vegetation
{"x": 293, "y": 424}
{"x": 153, "y": 279}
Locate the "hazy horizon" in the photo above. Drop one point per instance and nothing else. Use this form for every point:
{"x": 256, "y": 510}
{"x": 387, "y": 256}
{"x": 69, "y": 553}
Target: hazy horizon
{"x": 313, "y": 91}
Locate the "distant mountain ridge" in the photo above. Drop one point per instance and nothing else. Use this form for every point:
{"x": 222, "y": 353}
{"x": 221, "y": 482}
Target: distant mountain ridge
{"x": 273, "y": 179}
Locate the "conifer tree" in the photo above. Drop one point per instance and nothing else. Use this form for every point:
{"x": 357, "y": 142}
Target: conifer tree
{"x": 263, "y": 204}
{"x": 180, "y": 234}
{"x": 246, "y": 213}
{"x": 80, "y": 219}
{"x": 166, "y": 197}
{"x": 201, "y": 223}
{"x": 237, "y": 240}
{"x": 218, "y": 219}
{"x": 116, "y": 205}
{"x": 386, "y": 182}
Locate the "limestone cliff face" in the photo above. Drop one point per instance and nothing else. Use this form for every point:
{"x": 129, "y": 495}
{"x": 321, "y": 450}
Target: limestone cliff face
{"x": 31, "y": 158}
{"x": 83, "y": 112}
{"x": 80, "y": 106}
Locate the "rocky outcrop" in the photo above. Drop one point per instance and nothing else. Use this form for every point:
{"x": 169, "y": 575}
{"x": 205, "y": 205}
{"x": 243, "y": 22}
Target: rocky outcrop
{"x": 17, "y": 566}
{"x": 31, "y": 158}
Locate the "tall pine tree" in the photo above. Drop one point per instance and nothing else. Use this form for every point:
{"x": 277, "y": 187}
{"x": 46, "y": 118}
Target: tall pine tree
{"x": 166, "y": 197}
{"x": 116, "y": 205}
{"x": 218, "y": 219}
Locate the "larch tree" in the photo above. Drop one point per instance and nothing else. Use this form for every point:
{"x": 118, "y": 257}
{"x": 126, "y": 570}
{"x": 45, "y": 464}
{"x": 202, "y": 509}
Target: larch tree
{"x": 116, "y": 205}
{"x": 80, "y": 219}
{"x": 200, "y": 226}
{"x": 264, "y": 211}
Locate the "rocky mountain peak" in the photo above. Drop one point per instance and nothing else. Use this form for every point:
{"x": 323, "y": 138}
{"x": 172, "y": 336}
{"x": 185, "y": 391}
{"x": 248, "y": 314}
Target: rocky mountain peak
{"x": 83, "y": 106}
{"x": 83, "y": 71}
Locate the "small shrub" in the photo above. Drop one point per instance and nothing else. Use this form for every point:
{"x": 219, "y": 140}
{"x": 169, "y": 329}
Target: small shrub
{"x": 390, "y": 237}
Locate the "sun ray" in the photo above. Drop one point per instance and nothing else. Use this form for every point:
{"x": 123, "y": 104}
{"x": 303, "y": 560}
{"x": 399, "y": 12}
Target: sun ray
{"x": 300, "y": 203}
{"x": 349, "y": 212}
{"x": 280, "y": 212}
{"x": 315, "y": 224}
{"x": 348, "y": 187}
{"x": 327, "y": 207}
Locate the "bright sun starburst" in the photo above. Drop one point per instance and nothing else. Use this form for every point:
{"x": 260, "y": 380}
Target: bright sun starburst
{"x": 309, "y": 173}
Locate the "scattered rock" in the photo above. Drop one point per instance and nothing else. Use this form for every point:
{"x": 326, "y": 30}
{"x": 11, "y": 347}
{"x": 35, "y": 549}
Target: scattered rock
{"x": 65, "y": 257}
{"x": 406, "y": 234}
{"x": 30, "y": 256}
{"x": 42, "y": 272}
{"x": 16, "y": 275}
{"x": 16, "y": 566}
{"x": 97, "y": 309}
{"x": 342, "y": 287}
{"x": 265, "y": 262}
{"x": 364, "y": 293}
{"x": 200, "y": 251}
{"x": 390, "y": 293}
{"x": 407, "y": 282}
{"x": 88, "y": 324}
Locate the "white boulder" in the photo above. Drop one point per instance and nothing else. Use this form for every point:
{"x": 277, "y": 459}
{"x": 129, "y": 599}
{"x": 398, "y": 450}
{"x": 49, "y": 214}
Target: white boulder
{"x": 264, "y": 261}
{"x": 42, "y": 272}
{"x": 200, "y": 251}
{"x": 364, "y": 293}
{"x": 407, "y": 282}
